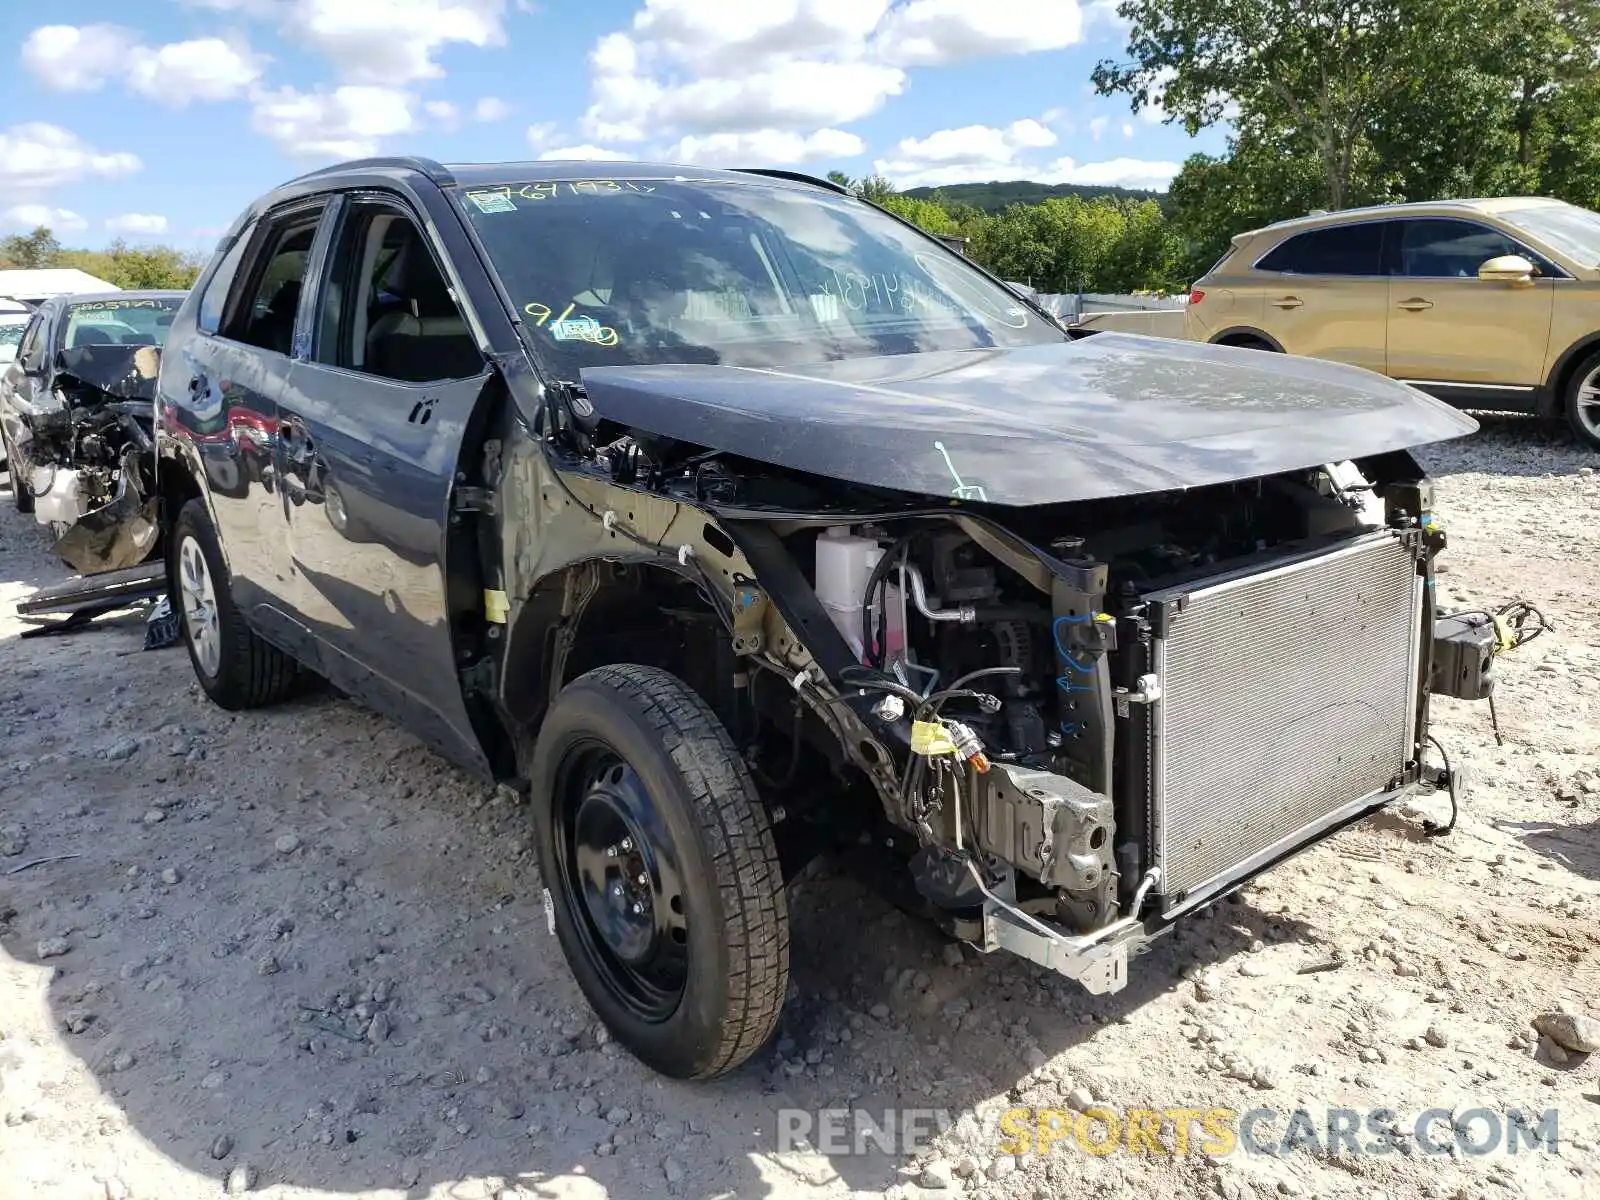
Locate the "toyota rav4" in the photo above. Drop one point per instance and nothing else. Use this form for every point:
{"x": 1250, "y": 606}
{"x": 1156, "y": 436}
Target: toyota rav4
{"x": 732, "y": 519}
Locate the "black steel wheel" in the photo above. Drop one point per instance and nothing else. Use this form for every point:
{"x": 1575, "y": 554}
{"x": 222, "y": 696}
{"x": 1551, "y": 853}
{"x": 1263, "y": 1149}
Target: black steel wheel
{"x": 619, "y": 867}
{"x": 662, "y": 870}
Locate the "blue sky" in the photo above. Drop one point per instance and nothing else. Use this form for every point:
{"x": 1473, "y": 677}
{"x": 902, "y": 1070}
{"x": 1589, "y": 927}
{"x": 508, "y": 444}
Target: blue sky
{"x": 161, "y": 120}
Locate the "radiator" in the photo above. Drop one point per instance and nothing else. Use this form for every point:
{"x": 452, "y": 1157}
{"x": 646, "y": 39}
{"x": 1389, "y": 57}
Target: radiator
{"x": 1287, "y": 702}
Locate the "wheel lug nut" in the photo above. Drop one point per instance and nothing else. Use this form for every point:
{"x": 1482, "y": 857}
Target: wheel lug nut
{"x": 616, "y": 889}
{"x": 643, "y": 879}
{"x": 638, "y": 908}
{"x": 611, "y": 851}
{"x": 627, "y": 844}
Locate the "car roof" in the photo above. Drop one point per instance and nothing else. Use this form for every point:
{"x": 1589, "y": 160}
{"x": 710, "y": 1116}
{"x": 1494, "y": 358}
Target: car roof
{"x": 131, "y": 294}
{"x": 1421, "y": 208}
{"x": 365, "y": 171}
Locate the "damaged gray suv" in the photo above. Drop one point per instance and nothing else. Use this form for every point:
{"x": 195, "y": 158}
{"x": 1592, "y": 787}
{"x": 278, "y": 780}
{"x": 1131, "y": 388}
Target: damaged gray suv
{"x": 736, "y": 520}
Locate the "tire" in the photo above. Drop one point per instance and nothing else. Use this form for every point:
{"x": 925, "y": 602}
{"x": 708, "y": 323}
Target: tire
{"x": 237, "y": 669}
{"x": 628, "y": 758}
{"x": 1582, "y": 402}
{"x": 21, "y": 496}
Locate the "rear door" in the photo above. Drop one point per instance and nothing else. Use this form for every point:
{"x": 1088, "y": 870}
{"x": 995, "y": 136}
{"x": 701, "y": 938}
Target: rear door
{"x": 1448, "y": 327}
{"x": 371, "y": 426}
{"x": 1324, "y": 294}
{"x": 228, "y": 384}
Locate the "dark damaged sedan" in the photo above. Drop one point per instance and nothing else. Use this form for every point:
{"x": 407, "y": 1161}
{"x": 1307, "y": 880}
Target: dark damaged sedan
{"x": 75, "y": 423}
{"x": 736, "y": 520}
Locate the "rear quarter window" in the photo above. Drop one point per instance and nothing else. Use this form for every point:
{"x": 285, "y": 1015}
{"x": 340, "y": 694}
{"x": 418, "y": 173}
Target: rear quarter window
{"x": 214, "y": 300}
{"x": 1335, "y": 250}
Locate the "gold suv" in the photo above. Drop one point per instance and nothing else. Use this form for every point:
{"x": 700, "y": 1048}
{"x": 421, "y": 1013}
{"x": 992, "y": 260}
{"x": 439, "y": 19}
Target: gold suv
{"x": 1484, "y": 303}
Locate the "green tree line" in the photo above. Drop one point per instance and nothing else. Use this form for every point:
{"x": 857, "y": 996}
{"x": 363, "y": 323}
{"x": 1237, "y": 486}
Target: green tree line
{"x": 1061, "y": 244}
{"x": 119, "y": 264}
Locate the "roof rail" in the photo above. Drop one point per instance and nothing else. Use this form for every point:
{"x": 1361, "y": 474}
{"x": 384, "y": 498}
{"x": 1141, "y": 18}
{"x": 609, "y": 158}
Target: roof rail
{"x": 433, "y": 170}
{"x": 796, "y": 177}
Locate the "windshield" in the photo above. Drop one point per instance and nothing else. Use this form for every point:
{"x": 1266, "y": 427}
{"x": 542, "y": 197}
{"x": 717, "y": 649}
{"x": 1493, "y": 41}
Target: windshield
{"x": 1573, "y": 231}
{"x": 119, "y": 322}
{"x": 642, "y": 271}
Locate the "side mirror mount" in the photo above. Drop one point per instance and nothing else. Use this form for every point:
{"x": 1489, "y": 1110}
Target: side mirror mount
{"x": 1508, "y": 268}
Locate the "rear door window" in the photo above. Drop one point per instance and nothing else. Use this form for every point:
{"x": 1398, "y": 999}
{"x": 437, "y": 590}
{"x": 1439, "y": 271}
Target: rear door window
{"x": 265, "y": 317}
{"x": 1335, "y": 250}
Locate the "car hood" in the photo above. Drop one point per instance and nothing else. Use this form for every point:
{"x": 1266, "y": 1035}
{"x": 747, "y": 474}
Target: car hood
{"x": 1112, "y": 415}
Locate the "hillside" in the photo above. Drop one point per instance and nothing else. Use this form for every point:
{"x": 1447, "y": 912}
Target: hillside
{"x": 995, "y": 196}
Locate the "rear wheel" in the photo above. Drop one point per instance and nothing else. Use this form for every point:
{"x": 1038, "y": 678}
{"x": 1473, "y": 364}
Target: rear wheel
{"x": 662, "y": 870}
{"x": 235, "y": 668}
{"x": 1583, "y": 402}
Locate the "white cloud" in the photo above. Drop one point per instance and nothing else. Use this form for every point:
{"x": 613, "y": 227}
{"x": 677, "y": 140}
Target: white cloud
{"x": 443, "y": 113}
{"x": 733, "y": 35}
{"x": 973, "y": 153}
{"x": 36, "y": 156}
{"x": 542, "y": 134}
{"x": 1098, "y": 126}
{"x": 764, "y": 147}
{"x": 348, "y": 122}
{"x": 738, "y": 66}
{"x": 207, "y": 69}
{"x": 925, "y": 32}
{"x": 590, "y": 153}
{"x": 390, "y": 42}
{"x": 84, "y": 58}
{"x": 490, "y": 108}
{"x": 31, "y": 216}
{"x": 70, "y": 58}
{"x": 138, "y": 224}
{"x": 1116, "y": 172}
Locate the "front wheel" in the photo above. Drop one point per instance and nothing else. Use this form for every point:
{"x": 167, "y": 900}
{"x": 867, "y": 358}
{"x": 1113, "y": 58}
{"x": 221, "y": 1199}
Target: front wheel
{"x": 662, "y": 869}
{"x": 1583, "y": 402}
{"x": 235, "y": 668}
{"x": 21, "y": 494}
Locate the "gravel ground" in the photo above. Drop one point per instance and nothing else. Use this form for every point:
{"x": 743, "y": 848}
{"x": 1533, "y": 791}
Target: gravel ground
{"x": 297, "y": 954}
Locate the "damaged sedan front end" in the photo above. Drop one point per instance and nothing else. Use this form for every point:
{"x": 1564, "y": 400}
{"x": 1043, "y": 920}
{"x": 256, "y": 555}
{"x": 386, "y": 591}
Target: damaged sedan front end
{"x": 78, "y": 412}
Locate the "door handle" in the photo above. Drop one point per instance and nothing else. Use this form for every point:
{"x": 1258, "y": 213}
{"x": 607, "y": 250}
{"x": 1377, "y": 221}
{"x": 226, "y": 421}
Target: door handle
{"x": 1416, "y": 304}
{"x": 1288, "y": 302}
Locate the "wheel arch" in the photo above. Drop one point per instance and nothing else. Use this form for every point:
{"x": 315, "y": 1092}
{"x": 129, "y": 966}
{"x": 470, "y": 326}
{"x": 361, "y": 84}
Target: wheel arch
{"x": 604, "y": 611}
{"x": 178, "y": 481}
{"x": 1242, "y": 335}
{"x": 1554, "y": 396}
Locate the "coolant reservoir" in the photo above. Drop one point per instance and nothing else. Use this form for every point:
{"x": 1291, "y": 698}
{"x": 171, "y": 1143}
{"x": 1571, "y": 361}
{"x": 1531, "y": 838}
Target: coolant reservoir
{"x": 844, "y": 564}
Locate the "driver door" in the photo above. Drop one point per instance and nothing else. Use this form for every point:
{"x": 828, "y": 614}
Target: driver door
{"x": 1487, "y": 340}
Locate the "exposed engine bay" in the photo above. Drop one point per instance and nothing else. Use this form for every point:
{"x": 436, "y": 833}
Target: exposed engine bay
{"x": 1069, "y": 753}
{"x": 90, "y": 457}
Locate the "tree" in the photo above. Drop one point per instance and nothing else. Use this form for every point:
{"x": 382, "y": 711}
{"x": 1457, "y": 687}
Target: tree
{"x": 30, "y": 250}
{"x": 924, "y": 214}
{"x": 119, "y": 264}
{"x": 1390, "y": 99}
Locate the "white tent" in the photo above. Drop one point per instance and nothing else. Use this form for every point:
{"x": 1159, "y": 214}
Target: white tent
{"x": 32, "y": 286}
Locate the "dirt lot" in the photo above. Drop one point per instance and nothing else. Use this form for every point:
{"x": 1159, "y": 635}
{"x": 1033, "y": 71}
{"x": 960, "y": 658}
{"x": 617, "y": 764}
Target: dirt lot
{"x": 297, "y": 951}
